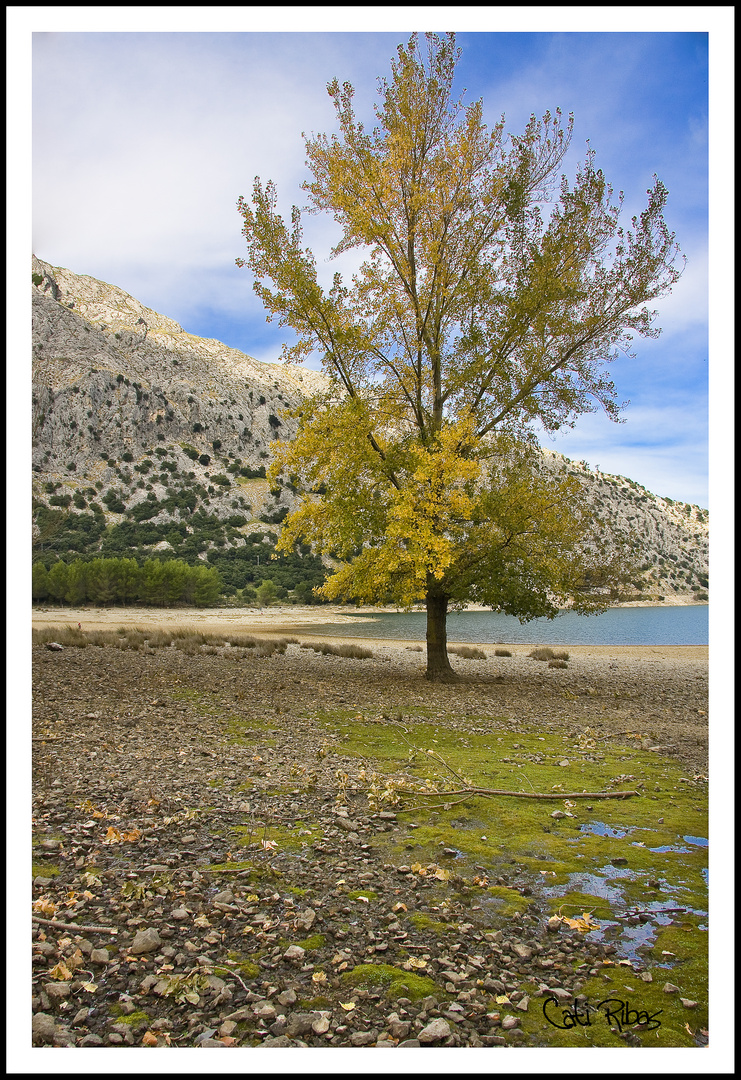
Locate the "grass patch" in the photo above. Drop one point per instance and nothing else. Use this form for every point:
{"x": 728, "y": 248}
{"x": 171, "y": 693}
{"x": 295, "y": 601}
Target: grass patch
{"x": 467, "y": 652}
{"x": 392, "y": 981}
{"x": 354, "y": 652}
{"x": 311, "y": 944}
{"x": 48, "y": 870}
{"x": 545, "y": 652}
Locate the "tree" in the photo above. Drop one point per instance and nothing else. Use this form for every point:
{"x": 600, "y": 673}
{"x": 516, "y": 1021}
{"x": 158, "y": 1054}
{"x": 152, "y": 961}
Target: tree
{"x": 266, "y": 593}
{"x": 491, "y": 299}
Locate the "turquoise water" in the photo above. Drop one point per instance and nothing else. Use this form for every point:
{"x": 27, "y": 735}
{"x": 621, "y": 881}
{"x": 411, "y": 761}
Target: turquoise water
{"x": 618, "y": 626}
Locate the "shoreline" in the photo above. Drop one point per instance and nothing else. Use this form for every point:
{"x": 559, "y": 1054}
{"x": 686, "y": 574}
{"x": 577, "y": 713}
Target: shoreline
{"x": 300, "y": 621}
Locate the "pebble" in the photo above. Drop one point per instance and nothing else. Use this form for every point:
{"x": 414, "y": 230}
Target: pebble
{"x": 43, "y": 1028}
{"x": 146, "y": 941}
{"x": 469, "y": 963}
{"x": 435, "y": 1031}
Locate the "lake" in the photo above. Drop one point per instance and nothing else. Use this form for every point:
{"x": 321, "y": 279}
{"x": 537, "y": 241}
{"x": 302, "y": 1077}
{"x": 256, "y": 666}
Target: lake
{"x": 618, "y": 626}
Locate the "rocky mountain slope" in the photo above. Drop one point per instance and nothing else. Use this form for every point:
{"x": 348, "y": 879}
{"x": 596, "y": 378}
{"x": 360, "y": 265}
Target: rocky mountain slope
{"x": 148, "y": 438}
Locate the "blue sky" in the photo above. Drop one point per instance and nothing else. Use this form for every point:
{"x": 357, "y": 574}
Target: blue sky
{"x": 142, "y": 143}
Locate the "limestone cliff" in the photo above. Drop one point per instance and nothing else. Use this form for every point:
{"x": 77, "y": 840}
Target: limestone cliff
{"x": 136, "y": 418}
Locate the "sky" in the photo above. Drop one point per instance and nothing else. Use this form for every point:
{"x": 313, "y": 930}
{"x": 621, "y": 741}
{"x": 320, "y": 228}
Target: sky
{"x": 143, "y": 141}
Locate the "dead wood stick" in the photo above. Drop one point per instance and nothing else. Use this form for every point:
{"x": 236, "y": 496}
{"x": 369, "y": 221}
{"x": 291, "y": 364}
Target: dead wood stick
{"x": 491, "y": 792}
{"x": 75, "y": 926}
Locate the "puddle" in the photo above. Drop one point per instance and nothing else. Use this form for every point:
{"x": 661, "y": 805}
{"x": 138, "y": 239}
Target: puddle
{"x": 670, "y": 847}
{"x": 628, "y": 937}
{"x": 698, "y": 841}
{"x": 599, "y": 828}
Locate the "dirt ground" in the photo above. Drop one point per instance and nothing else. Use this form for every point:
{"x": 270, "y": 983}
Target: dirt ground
{"x": 197, "y": 882}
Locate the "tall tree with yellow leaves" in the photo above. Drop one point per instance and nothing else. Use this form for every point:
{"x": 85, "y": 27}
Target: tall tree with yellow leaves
{"x": 493, "y": 294}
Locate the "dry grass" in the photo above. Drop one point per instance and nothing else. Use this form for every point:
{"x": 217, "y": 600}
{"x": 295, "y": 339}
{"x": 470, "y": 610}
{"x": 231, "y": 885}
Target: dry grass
{"x": 502, "y": 652}
{"x": 190, "y": 642}
{"x": 354, "y": 652}
{"x": 467, "y": 652}
{"x": 557, "y": 664}
{"x": 545, "y": 652}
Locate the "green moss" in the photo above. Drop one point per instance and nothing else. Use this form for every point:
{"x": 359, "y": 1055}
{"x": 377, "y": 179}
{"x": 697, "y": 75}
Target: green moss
{"x": 509, "y": 901}
{"x": 247, "y": 968}
{"x": 687, "y": 969}
{"x": 368, "y": 894}
{"x": 215, "y": 868}
{"x": 395, "y": 982}
{"x": 425, "y": 922}
{"x": 48, "y": 870}
{"x": 316, "y": 941}
{"x": 320, "y": 1002}
{"x": 133, "y": 1019}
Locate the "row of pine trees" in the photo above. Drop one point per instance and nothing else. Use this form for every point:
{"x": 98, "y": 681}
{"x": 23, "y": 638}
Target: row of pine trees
{"x": 162, "y": 583}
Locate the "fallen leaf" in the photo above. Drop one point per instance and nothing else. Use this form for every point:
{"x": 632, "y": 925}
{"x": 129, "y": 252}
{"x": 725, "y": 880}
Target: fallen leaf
{"x": 149, "y": 1039}
{"x": 319, "y": 977}
{"x": 347, "y": 1007}
{"x": 45, "y": 905}
{"x": 61, "y": 972}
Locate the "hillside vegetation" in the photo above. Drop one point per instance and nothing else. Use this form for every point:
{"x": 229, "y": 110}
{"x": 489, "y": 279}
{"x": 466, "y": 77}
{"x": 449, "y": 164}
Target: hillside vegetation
{"x": 149, "y": 442}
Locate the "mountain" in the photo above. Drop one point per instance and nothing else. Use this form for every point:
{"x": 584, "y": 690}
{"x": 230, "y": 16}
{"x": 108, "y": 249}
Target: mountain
{"x": 149, "y": 439}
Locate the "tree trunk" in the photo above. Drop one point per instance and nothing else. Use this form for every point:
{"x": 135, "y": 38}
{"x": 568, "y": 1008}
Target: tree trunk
{"x": 438, "y": 665}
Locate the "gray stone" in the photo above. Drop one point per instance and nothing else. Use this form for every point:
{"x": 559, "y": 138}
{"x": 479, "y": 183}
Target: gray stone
{"x": 398, "y": 1029}
{"x": 305, "y": 919}
{"x": 670, "y": 988}
{"x": 43, "y": 1028}
{"x": 225, "y": 897}
{"x": 301, "y": 1023}
{"x": 294, "y": 953}
{"x": 265, "y": 1011}
{"x": 99, "y": 956}
{"x": 363, "y": 1038}
{"x": 523, "y": 951}
{"x": 145, "y": 941}
{"x": 435, "y": 1031}
{"x": 91, "y": 1040}
{"x": 288, "y": 997}
{"x": 124, "y": 1031}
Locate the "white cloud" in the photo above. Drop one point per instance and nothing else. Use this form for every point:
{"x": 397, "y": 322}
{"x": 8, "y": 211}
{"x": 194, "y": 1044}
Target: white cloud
{"x": 664, "y": 448}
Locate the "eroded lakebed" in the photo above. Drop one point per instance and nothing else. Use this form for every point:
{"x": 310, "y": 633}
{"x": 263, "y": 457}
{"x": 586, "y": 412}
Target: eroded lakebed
{"x": 235, "y": 806}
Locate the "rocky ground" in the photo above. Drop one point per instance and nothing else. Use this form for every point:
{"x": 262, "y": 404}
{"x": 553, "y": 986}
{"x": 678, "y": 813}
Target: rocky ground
{"x": 208, "y": 873}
